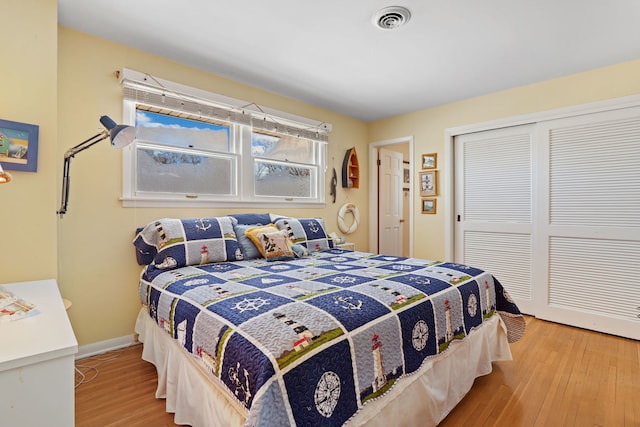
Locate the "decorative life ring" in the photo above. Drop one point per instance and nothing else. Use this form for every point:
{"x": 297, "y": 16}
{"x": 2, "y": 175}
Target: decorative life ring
{"x": 345, "y": 209}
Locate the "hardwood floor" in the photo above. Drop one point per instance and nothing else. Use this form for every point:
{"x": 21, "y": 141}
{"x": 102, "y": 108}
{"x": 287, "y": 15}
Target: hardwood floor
{"x": 122, "y": 393}
{"x": 560, "y": 376}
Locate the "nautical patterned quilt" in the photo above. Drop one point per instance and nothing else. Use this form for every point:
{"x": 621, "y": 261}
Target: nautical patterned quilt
{"x": 311, "y": 340}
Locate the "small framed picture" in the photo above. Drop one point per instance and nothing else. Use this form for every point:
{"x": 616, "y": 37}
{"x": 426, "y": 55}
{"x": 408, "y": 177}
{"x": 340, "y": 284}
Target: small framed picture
{"x": 406, "y": 179}
{"x": 428, "y": 184}
{"x": 429, "y": 206}
{"x": 19, "y": 146}
{"x": 430, "y": 161}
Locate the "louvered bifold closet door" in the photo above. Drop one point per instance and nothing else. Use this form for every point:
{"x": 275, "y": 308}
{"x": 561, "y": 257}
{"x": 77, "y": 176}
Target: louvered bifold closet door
{"x": 592, "y": 226}
{"x": 493, "y": 206}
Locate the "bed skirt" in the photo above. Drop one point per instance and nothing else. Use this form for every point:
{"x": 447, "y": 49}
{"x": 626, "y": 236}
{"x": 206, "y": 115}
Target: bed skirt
{"x": 424, "y": 398}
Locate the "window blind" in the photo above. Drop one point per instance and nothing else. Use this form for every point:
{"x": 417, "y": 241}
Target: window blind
{"x": 144, "y": 89}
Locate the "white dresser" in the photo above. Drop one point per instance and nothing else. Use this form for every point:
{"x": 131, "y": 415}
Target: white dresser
{"x": 346, "y": 246}
{"x": 37, "y": 360}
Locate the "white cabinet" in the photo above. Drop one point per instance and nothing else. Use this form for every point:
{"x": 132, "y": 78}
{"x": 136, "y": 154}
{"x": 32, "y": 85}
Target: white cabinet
{"x": 37, "y": 360}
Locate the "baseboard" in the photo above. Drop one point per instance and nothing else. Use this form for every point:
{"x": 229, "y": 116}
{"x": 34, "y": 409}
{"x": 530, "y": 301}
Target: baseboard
{"x": 105, "y": 346}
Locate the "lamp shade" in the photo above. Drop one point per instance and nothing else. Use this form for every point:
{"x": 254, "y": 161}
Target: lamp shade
{"x": 120, "y": 135}
{"x": 5, "y": 177}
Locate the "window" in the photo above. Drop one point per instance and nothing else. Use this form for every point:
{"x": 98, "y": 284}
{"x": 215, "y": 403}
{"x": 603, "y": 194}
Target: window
{"x": 181, "y": 155}
{"x": 283, "y": 166}
{"x": 192, "y": 151}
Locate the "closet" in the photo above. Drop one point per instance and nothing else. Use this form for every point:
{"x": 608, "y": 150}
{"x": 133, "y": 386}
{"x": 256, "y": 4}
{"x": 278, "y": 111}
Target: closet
{"x": 552, "y": 208}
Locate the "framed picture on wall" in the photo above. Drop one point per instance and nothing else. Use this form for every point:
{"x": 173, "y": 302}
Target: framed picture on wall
{"x": 406, "y": 178}
{"x": 428, "y": 184}
{"x": 18, "y": 146}
{"x": 430, "y": 161}
{"x": 429, "y": 206}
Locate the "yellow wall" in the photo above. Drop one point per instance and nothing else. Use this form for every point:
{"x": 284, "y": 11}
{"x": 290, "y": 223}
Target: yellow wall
{"x": 62, "y": 80}
{"x": 428, "y": 127}
{"x": 97, "y": 260}
{"x": 28, "y": 93}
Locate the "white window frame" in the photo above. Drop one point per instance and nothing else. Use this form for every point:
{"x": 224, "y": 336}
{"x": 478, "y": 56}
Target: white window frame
{"x": 241, "y": 139}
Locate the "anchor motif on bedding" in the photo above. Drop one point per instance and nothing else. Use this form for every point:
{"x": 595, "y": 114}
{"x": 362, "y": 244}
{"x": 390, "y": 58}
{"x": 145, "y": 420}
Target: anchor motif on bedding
{"x": 314, "y": 227}
{"x": 241, "y": 384}
{"x": 348, "y": 303}
{"x": 201, "y": 225}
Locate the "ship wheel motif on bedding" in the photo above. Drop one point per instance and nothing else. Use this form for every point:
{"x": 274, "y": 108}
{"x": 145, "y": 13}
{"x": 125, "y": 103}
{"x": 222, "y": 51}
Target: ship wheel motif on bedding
{"x": 250, "y": 304}
{"x": 419, "y": 280}
{"x": 420, "y": 335}
{"x": 327, "y": 393}
{"x": 401, "y": 267}
{"x": 343, "y": 280}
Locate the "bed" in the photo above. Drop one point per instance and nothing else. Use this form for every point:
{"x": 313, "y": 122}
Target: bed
{"x": 258, "y": 320}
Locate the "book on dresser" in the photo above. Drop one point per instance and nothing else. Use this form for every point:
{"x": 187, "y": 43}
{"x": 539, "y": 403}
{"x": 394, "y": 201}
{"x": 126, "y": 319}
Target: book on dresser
{"x": 13, "y": 307}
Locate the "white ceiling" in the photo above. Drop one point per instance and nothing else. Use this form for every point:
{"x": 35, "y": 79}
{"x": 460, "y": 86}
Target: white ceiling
{"x": 328, "y": 53}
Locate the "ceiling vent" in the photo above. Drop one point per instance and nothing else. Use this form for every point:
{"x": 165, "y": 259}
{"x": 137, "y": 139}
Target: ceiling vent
{"x": 391, "y": 17}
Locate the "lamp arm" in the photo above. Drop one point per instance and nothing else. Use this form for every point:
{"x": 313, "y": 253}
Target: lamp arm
{"x": 86, "y": 144}
{"x": 65, "y": 187}
{"x": 67, "y": 164}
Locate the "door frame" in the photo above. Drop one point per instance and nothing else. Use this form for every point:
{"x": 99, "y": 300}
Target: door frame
{"x": 374, "y": 188}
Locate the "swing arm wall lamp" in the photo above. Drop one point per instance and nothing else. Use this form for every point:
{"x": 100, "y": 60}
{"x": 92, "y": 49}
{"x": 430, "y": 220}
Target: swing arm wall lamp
{"x": 120, "y": 136}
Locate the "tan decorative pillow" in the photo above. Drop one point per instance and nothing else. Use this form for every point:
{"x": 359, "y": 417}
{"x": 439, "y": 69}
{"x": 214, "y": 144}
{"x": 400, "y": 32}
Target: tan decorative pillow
{"x": 276, "y": 246}
{"x": 271, "y": 242}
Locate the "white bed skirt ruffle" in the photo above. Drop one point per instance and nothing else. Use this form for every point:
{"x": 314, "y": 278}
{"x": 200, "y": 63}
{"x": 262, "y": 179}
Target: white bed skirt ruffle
{"x": 422, "y": 399}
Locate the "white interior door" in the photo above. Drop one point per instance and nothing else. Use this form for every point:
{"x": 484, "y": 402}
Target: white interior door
{"x": 590, "y": 229}
{"x": 552, "y": 209}
{"x": 493, "y": 207}
{"x": 390, "y": 203}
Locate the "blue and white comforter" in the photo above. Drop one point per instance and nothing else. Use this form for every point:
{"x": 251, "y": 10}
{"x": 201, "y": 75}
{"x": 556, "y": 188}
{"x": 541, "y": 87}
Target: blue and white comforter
{"x": 312, "y": 340}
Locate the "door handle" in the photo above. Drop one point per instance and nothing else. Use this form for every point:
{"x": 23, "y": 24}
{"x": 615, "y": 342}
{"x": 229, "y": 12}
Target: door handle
{"x": 401, "y": 221}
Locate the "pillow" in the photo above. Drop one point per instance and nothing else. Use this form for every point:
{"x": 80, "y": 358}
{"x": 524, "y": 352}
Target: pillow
{"x": 272, "y": 243}
{"x": 249, "y": 250}
{"x": 299, "y": 251}
{"x": 252, "y": 219}
{"x": 194, "y": 241}
{"x": 308, "y": 232}
{"x": 144, "y": 251}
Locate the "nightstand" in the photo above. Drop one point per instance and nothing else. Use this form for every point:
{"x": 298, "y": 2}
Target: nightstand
{"x": 37, "y": 360}
{"x": 347, "y": 246}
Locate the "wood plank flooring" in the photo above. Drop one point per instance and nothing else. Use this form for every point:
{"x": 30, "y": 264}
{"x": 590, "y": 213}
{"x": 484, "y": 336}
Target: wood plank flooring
{"x": 122, "y": 393}
{"x": 560, "y": 376}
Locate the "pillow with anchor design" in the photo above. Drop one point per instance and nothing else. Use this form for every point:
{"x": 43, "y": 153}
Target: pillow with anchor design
{"x": 308, "y": 232}
{"x": 194, "y": 241}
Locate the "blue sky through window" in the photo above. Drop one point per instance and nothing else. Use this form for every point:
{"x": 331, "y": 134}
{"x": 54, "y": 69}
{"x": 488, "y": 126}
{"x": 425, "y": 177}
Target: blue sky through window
{"x": 149, "y": 119}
